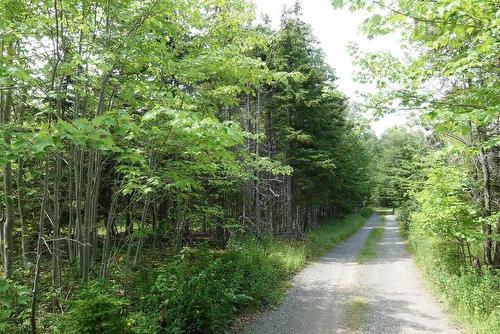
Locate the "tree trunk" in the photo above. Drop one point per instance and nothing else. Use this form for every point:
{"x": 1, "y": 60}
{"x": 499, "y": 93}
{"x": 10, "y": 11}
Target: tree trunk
{"x": 107, "y": 238}
{"x": 289, "y": 213}
{"x": 487, "y": 230}
{"x": 41, "y": 231}
{"x": 257, "y": 174}
{"x": 141, "y": 231}
{"x": 8, "y": 242}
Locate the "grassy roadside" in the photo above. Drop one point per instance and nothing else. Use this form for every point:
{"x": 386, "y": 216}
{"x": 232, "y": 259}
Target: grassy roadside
{"x": 369, "y": 250}
{"x": 471, "y": 300}
{"x": 203, "y": 289}
{"x": 321, "y": 240}
{"x": 252, "y": 272}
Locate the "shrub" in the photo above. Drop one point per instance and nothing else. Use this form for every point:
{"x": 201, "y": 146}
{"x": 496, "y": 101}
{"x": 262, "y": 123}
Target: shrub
{"x": 403, "y": 216}
{"x": 474, "y": 298}
{"x": 94, "y": 310}
{"x": 444, "y": 232}
{"x": 13, "y": 307}
{"x": 203, "y": 289}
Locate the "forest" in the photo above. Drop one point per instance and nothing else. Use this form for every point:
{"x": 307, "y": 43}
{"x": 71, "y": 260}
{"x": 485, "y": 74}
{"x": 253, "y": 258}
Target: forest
{"x": 167, "y": 166}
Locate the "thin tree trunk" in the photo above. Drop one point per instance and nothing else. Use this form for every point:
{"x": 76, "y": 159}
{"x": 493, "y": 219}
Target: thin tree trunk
{"x": 107, "y": 238}
{"x": 10, "y": 214}
{"x": 141, "y": 230}
{"x": 487, "y": 230}
{"x": 56, "y": 259}
{"x": 289, "y": 213}
{"x": 257, "y": 175}
{"x": 20, "y": 186}
{"x": 20, "y": 208}
{"x": 41, "y": 228}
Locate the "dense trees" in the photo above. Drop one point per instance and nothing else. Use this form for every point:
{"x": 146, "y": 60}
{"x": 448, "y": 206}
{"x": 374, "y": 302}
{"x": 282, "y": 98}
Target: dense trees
{"x": 131, "y": 125}
{"x": 399, "y": 155}
{"x": 451, "y": 205}
{"x": 452, "y": 78}
{"x": 312, "y": 132}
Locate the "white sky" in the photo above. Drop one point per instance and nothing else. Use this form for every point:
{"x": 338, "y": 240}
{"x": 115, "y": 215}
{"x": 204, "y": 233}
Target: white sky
{"x": 335, "y": 29}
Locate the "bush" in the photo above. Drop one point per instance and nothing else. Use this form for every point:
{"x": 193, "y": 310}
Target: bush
{"x": 13, "y": 307}
{"x": 403, "y": 216}
{"x": 203, "y": 289}
{"x": 94, "y": 310}
{"x": 472, "y": 297}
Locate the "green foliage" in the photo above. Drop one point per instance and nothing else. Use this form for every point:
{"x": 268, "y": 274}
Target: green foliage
{"x": 442, "y": 227}
{"x": 473, "y": 298}
{"x": 13, "y": 307}
{"x": 94, "y": 309}
{"x": 449, "y": 76}
{"x": 186, "y": 117}
{"x": 203, "y": 289}
{"x": 445, "y": 210}
{"x": 311, "y": 124}
{"x": 403, "y": 216}
{"x": 399, "y": 154}
{"x": 319, "y": 241}
{"x": 466, "y": 30}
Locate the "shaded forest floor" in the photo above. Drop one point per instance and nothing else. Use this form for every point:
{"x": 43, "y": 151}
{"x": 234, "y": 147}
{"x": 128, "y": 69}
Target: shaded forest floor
{"x": 200, "y": 288}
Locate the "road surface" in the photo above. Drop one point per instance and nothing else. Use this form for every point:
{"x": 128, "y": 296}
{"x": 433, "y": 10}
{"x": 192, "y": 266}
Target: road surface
{"x": 338, "y": 295}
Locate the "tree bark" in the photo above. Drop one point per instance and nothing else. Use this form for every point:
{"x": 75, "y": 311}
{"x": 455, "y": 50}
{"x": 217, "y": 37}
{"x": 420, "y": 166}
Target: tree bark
{"x": 41, "y": 231}
{"x": 107, "y": 238}
{"x": 487, "y": 229}
{"x": 10, "y": 214}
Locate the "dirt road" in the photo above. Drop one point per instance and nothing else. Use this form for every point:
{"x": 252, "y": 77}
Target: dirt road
{"x": 338, "y": 295}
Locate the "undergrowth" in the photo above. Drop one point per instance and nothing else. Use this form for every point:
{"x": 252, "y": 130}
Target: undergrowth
{"x": 202, "y": 289}
{"x": 471, "y": 298}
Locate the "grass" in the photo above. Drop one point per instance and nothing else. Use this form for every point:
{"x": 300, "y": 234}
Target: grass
{"x": 356, "y": 311}
{"x": 369, "y": 250}
{"x": 321, "y": 240}
{"x": 471, "y": 300}
{"x": 199, "y": 290}
{"x": 249, "y": 274}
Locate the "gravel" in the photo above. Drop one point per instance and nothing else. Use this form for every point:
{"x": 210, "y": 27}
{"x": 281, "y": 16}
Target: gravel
{"x": 390, "y": 285}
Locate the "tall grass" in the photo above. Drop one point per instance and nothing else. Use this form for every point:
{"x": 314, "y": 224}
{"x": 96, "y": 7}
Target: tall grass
{"x": 203, "y": 292}
{"x": 202, "y": 289}
{"x": 471, "y": 298}
{"x": 321, "y": 240}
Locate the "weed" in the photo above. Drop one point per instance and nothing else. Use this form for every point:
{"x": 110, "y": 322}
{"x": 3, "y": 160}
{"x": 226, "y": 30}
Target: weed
{"x": 356, "y": 313}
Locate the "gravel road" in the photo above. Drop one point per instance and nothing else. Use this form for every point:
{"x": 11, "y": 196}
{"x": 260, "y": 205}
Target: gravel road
{"x": 387, "y": 293}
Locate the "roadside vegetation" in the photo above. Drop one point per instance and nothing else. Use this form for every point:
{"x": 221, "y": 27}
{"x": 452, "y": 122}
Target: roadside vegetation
{"x": 164, "y": 163}
{"x": 199, "y": 290}
{"x": 444, "y": 224}
{"x": 445, "y": 180}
